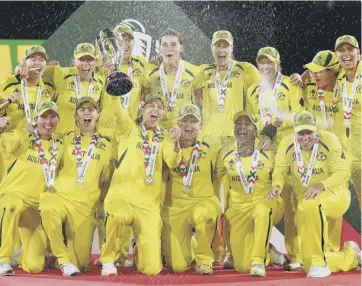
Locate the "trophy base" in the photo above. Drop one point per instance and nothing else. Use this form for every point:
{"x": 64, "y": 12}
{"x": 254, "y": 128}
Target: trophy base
{"x": 118, "y": 84}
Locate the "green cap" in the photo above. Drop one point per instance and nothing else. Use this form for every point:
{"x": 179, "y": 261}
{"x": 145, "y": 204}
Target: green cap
{"x": 35, "y": 49}
{"x": 86, "y": 99}
{"x": 147, "y": 98}
{"x": 44, "y": 106}
{"x": 252, "y": 118}
{"x": 190, "y": 109}
{"x": 269, "y": 52}
{"x": 222, "y": 35}
{"x": 123, "y": 29}
{"x": 348, "y": 40}
{"x": 85, "y": 49}
{"x": 323, "y": 60}
{"x": 305, "y": 120}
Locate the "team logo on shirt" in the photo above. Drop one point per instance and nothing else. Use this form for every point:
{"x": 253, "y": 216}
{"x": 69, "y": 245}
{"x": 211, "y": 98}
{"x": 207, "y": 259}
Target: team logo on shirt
{"x": 136, "y": 72}
{"x": 321, "y": 156}
{"x": 202, "y": 154}
{"x": 185, "y": 83}
{"x": 231, "y": 164}
{"x": 100, "y": 145}
{"x": 96, "y": 89}
{"x": 45, "y": 93}
{"x": 157, "y": 81}
{"x": 359, "y": 88}
{"x": 71, "y": 86}
{"x": 313, "y": 93}
{"x": 260, "y": 165}
{"x": 235, "y": 74}
{"x": 280, "y": 96}
{"x": 208, "y": 76}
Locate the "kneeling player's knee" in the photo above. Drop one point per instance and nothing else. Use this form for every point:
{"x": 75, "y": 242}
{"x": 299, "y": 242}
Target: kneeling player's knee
{"x": 34, "y": 265}
{"x": 262, "y": 211}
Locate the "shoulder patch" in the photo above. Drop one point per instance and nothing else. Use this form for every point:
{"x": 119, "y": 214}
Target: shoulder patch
{"x": 50, "y": 84}
{"x": 239, "y": 66}
{"x": 324, "y": 145}
{"x": 190, "y": 73}
{"x": 68, "y": 76}
{"x": 289, "y": 148}
{"x": 153, "y": 71}
{"x": 264, "y": 154}
{"x": 227, "y": 154}
{"x": 284, "y": 85}
{"x": 205, "y": 144}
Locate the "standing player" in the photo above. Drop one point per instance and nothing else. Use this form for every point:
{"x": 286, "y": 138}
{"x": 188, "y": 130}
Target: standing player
{"x": 69, "y": 211}
{"x": 350, "y": 89}
{"x": 274, "y": 99}
{"x": 319, "y": 169}
{"x": 191, "y": 203}
{"x": 135, "y": 195}
{"x": 250, "y": 216}
{"x": 33, "y": 170}
{"x": 173, "y": 78}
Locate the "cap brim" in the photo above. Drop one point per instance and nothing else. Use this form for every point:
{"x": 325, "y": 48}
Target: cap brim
{"x": 314, "y": 67}
{"x": 91, "y": 100}
{"x": 267, "y": 56}
{"x": 221, "y": 39}
{"x": 78, "y": 56}
{"x": 157, "y": 97}
{"x": 305, "y": 127}
{"x": 346, "y": 42}
{"x": 38, "y": 52}
{"x": 183, "y": 116}
{"x": 47, "y": 109}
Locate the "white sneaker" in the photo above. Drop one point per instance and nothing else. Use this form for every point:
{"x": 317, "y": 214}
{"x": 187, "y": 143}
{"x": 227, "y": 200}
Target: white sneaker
{"x": 293, "y": 266}
{"x": 356, "y": 249}
{"x": 108, "y": 269}
{"x": 228, "y": 262}
{"x": 319, "y": 272}
{"x": 97, "y": 262}
{"x": 6, "y": 269}
{"x": 69, "y": 269}
{"x": 257, "y": 270}
{"x": 14, "y": 258}
{"x": 278, "y": 257}
{"x": 204, "y": 269}
{"x": 128, "y": 263}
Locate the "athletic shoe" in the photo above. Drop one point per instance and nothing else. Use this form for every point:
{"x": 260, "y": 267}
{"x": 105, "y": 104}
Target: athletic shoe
{"x": 6, "y": 269}
{"x": 356, "y": 249}
{"x": 257, "y": 270}
{"x": 278, "y": 258}
{"x": 228, "y": 262}
{"x": 318, "y": 272}
{"x": 128, "y": 263}
{"x": 108, "y": 269}
{"x": 293, "y": 266}
{"x": 218, "y": 258}
{"x": 97, "y": 262}
{"x": 14, "y": 258}
{"x": 69, "y": 269}
{"x": 204, "y": 269}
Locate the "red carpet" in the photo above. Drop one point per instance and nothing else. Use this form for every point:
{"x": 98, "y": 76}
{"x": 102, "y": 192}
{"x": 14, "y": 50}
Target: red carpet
{"x": 276, "y": 276}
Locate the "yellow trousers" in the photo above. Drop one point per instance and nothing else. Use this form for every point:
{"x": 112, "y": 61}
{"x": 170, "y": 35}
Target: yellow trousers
{"x": 312, "y": 220}
{"x": 251, "y": 224}
{"x": 354, "y": 162}
{"x": 146, "y": 226}
{"x": 70, "y": 233}
{"x": 18, "y": 217}
{"x": 178, "y": 224}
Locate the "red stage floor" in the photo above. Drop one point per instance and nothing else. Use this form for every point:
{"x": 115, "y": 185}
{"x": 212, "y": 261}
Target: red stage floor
{"x": 276, "y": 276}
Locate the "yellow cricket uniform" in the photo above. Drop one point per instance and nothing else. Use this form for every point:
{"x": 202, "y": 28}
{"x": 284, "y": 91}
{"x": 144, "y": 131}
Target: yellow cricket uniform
{"x": 152, "y": 84}
{"x": 243, "y": 75}
{"x": 250, "y": 216}
{"x": 20, "y": 191}
{"x": 199, "y": 210}
{"x": 311, "y": 218}
{"x": 334, "y": 115}
{"x": 66, "y": 93}
{"x": 130, "y": 201}
{"x": 354, "y": 140}
{"x": 72, "y": 206}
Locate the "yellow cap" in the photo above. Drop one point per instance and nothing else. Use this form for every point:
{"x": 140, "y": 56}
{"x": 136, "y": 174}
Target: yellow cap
{"x": 347, "y": 39}
{"x": 147, "y": 98}
{"x": 44, "y": 106}
{"x": 305, "y": 120}
{"x": 85, "y": 49}
{"x": 222, "y": 35}
{"x": 123, "y": 29}
{"x": 35, "y": 49}
{"x": 86, "y": 99}
{"x": 252, "y": 118}
{"x": 269, "y": 52}
{"x": 323, "y": 60}
{"x": 190, "y": 109}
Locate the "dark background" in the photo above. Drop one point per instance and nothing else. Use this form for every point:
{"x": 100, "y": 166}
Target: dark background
{"x": 297, "y": 29}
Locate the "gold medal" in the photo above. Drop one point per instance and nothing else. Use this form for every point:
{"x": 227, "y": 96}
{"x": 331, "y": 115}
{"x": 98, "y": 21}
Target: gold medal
{"x": 149, "y": 180}
{"x": 187, "y": 190}
{"x": 80, "y": 181}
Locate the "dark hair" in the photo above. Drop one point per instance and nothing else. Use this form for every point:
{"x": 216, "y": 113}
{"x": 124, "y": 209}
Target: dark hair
{"x": 172, "y": 32}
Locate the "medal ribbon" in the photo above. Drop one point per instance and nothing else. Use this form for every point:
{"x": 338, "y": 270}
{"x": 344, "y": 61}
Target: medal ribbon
{"x": 25, "y": 95}
{"x": 247, "y": 182}
{"x": 323, "y": 107}
{"x": 348, "y": 102}
{"x": 150, "y": 153}
{"x": 81, "y": 164}
{"x": 305, "y": 176}
{"x": 187, "y": 173}
{"x": 176, "y": 84}
{"x": 126, "y": 97}
{"x": 221, "y": 89}
{"x": 264, "y": 111}
{"x": 48, "y": 169}
{"x": 78, "y": 87}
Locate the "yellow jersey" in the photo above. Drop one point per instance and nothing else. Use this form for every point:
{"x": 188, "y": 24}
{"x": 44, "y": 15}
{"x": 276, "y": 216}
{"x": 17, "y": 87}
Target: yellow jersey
{"x": 129, "y": 178}
{"x": 330, "y": 167}
{"x": 66, "y": 98}
{"x": 152, "y": 84}
{"x": 25, "y": 175}
{"x": 242, "y": 76}
{"x": 15, "y": 111}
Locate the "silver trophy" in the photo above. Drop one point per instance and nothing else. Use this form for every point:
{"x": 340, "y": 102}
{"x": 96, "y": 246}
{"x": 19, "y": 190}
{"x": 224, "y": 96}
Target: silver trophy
{"x": 110, "y": 47}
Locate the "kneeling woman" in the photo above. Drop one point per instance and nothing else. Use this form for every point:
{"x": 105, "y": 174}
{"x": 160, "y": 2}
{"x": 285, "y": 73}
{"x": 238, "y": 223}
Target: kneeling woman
{"x": 250, "y": 215}
{"x": 68, "y": 213}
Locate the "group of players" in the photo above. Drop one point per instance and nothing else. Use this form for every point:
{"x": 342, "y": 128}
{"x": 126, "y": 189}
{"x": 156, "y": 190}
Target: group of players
{"x": 154, "y": 163}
